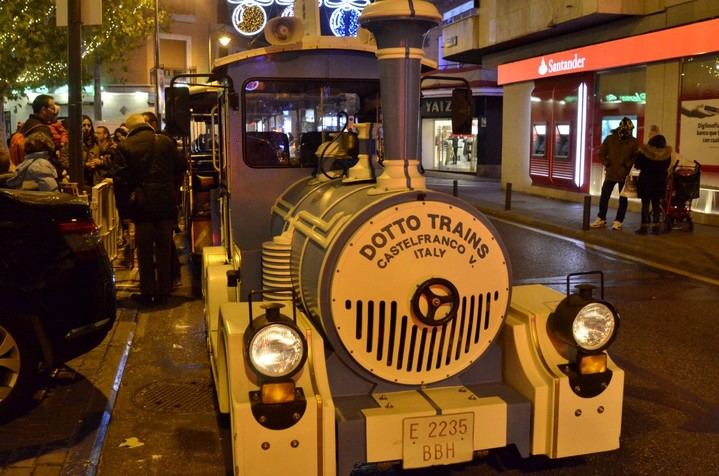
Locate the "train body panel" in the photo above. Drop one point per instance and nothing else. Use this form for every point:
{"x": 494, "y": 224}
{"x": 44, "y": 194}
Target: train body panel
{"x": 299, "y": 440}
{"x": 567, "y": 419}
{"x": 356, "y": 318}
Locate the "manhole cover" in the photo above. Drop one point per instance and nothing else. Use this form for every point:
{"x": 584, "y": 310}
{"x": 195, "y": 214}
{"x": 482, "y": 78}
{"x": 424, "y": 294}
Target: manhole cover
{"x": 176, "y": 397}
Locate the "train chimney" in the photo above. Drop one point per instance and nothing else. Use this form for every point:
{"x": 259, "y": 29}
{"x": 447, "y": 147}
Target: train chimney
{"x": 398, "y": 27}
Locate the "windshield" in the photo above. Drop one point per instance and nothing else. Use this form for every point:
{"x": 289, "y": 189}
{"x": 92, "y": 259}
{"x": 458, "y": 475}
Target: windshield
{"x": 286, "y": 120}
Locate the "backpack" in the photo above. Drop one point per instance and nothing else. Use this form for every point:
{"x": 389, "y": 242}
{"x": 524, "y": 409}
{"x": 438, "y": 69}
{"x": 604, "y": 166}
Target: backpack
{"x": 17, "y": 145}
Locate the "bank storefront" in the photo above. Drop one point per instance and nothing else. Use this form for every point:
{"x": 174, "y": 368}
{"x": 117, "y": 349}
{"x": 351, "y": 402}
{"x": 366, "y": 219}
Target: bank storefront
{"x": 566, "y": 103}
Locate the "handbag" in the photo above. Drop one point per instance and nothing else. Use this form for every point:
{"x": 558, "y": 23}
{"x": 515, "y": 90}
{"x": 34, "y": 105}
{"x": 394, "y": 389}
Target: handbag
{"x": 630, "y": 184}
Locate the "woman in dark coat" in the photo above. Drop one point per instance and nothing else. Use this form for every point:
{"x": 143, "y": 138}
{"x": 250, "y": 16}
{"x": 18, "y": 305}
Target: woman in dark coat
{"x": 653, "y": 161}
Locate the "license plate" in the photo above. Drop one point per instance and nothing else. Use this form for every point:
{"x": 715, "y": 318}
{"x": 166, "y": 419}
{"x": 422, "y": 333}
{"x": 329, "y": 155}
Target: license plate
{"x": 445, "y": 439}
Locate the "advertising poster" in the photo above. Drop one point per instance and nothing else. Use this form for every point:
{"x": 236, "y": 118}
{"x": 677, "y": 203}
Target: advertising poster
{"x": 699, "y": 131}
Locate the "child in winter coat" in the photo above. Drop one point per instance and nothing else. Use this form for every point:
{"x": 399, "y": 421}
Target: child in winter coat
{"x": 653, "y": 161}
{"x": 36, "y": 172}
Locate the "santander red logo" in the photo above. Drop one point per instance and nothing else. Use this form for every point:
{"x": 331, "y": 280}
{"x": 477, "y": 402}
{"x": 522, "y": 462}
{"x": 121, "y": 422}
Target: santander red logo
{"x": 557, "y": 66}
{"x": 542, "y": 67}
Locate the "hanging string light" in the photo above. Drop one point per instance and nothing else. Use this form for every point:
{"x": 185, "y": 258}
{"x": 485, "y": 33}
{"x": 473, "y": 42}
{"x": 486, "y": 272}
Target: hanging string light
{"x": 89, "y": 45}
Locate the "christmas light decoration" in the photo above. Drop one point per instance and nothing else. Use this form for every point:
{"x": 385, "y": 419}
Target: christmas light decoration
{"x": 249, "y": 17}
{"x": 345, "y": 21}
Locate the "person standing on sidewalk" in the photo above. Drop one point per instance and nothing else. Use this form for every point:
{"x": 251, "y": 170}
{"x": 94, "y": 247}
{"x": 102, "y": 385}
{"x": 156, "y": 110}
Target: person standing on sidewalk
{"x": 653, "y": 161}
{"x": 151, "y": 119}
{"x": 151, "y": 163}
{"x": 617, "y": 155}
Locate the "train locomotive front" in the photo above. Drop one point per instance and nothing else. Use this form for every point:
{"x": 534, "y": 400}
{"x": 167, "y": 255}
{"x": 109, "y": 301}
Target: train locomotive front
{"x": 375, "y": 322}
{"x": 408, "y": 287}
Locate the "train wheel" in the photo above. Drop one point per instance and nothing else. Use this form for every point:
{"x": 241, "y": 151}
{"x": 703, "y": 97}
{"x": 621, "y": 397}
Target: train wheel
{"x": 18, "y": 365}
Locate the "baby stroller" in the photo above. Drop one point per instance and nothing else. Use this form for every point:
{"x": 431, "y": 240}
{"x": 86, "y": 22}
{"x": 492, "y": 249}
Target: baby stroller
{"x": 682, "y": 188}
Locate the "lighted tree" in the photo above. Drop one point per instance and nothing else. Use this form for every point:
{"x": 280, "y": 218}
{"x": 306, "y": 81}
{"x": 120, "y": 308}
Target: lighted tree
{"x": 35, "y": 49}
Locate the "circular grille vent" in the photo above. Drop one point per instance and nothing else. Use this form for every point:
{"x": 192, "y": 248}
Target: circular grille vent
{"x": 382, "y": 267}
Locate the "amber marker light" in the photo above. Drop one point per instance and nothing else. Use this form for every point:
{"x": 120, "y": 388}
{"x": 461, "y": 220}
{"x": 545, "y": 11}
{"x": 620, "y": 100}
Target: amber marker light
{"x": 278, "y": 392}
{"x": 592, "y": 364}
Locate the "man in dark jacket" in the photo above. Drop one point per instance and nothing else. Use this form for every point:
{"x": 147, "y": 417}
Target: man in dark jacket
{"x": 43, "y": 113}
{"x": 151, "y": 164}
{"x": 617, "y": 154}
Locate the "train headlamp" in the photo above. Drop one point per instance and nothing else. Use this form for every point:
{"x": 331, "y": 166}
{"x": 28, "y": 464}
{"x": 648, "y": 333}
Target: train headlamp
{"x": 584, "y": 322}
{"x": 593, "y": 327}
{"x": 275, "y": 347}
{"x": 276, "y": 350}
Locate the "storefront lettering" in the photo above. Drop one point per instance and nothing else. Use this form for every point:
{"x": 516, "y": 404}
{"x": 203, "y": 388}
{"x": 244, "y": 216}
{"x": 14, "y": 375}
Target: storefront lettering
{"x": 437, "y": 106}
{"x": 552, "y": 66}
{"x": 446, "y": 234}
{"x": 708, "y": 131}
{"x": 636, "y": 97}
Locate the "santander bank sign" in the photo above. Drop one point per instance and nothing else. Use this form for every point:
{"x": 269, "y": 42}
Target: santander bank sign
{"x": 681, "y": 41}
{"x": 561, "y": 65}
{"x": 555, "y": 64}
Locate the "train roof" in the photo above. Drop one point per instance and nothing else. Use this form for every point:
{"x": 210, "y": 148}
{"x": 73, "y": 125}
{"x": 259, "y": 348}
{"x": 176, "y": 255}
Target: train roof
{"x": 310, "y": 43}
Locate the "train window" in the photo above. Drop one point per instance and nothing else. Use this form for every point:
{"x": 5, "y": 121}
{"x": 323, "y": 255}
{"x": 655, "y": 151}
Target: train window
{"x": 539, "y": 138}
{"x": 286, "y": 120}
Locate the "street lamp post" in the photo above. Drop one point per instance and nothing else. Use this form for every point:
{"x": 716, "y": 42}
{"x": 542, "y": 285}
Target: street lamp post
{"x": 75, "y": 92}
{"x": 218, "y": 35}
{"x": 157, "y": 62}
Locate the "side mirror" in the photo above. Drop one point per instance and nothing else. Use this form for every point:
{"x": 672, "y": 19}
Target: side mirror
{"x": 177, "y": 111}
{"x": 462, "y": 111}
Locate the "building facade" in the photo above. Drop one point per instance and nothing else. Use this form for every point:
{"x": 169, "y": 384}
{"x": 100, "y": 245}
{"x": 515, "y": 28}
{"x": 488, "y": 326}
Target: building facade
{"x": 570, "y": 70}
{"x": 188, "y": 46}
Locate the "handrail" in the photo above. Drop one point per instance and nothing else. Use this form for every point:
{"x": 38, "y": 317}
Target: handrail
{"x": 215, "y": 162}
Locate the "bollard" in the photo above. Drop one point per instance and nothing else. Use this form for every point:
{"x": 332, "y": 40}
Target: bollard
{"x": 586, "y": 212}
{"x": 508, "y": 197}
{"x": 455, "y": 188}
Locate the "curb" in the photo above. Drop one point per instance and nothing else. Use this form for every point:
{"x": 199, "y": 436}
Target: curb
{"x": 647, "y": 252}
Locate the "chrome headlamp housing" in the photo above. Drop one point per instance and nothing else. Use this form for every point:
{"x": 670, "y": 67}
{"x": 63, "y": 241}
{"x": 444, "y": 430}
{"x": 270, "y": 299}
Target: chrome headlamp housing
{"x": 275, "y": 347}
{"x": 585, "y": 323}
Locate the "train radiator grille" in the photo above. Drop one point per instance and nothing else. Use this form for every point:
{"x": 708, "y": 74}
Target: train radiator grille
{"x": 398, "y": 342}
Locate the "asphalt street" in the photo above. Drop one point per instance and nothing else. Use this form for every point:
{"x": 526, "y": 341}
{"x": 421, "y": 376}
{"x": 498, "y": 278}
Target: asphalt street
{"x": 144, "y": 397}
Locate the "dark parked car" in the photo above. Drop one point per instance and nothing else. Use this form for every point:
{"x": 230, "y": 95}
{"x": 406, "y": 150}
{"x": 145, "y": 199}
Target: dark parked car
{"x": 57, "y": 289}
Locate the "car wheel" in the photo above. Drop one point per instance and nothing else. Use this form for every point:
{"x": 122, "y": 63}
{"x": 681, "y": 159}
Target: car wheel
{"x": 18, "y": 366}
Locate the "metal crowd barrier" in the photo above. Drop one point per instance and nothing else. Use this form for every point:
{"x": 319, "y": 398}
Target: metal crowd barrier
{"x": 104, "y": 212}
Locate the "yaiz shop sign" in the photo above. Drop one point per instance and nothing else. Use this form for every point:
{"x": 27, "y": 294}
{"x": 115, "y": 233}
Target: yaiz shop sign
{"x": 442, "y": 107}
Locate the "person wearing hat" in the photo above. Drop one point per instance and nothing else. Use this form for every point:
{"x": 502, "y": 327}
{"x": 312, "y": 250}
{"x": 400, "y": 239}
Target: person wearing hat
{"x": 617, "y": 155}
{"x": 150, "y": 164}
{"x": 653, "y": 161}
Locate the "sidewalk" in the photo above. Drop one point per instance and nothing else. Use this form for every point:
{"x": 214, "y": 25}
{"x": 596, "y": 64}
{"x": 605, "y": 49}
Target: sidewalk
{"x": 694, "y": 254}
